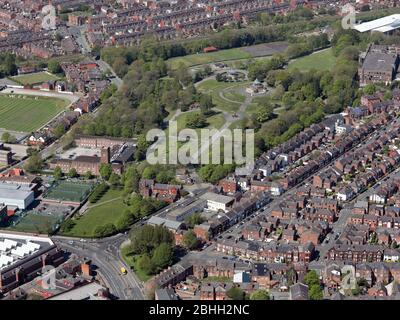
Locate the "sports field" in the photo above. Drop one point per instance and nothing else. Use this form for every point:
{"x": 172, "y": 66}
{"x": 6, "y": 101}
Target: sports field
{"x": 68, "y": 191}
{"x": 203, "y": 58}
{"x": 28, "y": 113}
{"x": 36, "y": 223}
{"x": 320, "y": 60}
{"x": 259, "y": 50}
{"x": 34, "y": 78}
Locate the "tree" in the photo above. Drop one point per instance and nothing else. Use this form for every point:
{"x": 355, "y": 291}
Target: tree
{"x": 54, "y": 66}
{"x": 57, "y": 173}
{"x": 206, "y": 104}
{"x": 105, "y": 171}
{"x": 145, "y": 263}
{"x": 104, "y": 231}
{"x": 72, "y": 173}
{"x": 67, "y": 226}
{"x": 162, "y": 256}
{"x": 190, "y": 240}
{"x": 260, "y": 294}
{"x": 315, "y": 292}
{"x": 195, "y": 120}
{"x": 311, "y": 278}
{"x": 8, "y": 138}
{"x": 125, "y": 221}
{"x": 236, "y": 293}
{"x": 114, "y": 179}
{"x": 193, "y": 220}
{"x": 88, "y": 175}
{"x": 34, "y": 164}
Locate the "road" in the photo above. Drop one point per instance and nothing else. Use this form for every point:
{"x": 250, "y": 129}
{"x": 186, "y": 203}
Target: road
{"x": 105, "y": 255}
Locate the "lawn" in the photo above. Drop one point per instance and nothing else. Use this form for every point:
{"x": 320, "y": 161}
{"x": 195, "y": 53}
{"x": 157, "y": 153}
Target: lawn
{"x": 34, "y": 78}
{"x": 213, "y": 87}
{"x": 99, "y": 214}
{"x": 203, "y": 58}
{"x": 28, "y": 113}
{"x": 320, "y": 60}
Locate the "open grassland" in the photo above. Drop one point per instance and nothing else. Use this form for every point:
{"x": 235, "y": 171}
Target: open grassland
{"x": 320, "y": 60}
{"x": 109, "y": 209}
{"x": 34, "y": 78}
{"x": 232, "y": 102}
{"x": 28, "y": 113}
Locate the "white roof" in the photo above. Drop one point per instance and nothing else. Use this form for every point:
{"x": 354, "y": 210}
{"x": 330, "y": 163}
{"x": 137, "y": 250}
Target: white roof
{"x": 5, "y": 260}
{"x": 7, "y": 244}
{"x": 384, "y": 24}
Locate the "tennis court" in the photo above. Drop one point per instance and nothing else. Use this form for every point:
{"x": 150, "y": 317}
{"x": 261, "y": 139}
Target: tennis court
{"x": 68, "y": 191}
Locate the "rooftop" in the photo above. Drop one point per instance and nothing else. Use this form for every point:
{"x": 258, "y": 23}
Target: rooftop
{"x": 385, "y": 24}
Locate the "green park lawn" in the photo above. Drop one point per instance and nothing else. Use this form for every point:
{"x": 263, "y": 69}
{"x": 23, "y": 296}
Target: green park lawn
{"x": 109, "y": 209}
{"x": 213, "y": 87}
{"x": 203, "y": 58}
{"x": 28, "y": 113}
{"x": 320, "y": 60}
{"x": 215, "y": 121}
{"x": 34, "y": 78}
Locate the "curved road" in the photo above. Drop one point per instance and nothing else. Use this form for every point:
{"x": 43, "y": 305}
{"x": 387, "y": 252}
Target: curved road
{"x": 105, "y": 255}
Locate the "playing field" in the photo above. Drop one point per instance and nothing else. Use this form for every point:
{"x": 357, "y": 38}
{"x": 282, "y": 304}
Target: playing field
{"x": 68, "y": 191}
{"x": 34, "y": 78}
{"x": 28, "y": 113}
{"x": 259, "y": 50}
{"x": 36, "y": 223}
{"x": 109, "y": 209}
{"x": 320, "y": 60}
{"x": 203, "y": 58}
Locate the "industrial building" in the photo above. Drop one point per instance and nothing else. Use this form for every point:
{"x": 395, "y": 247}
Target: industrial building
{"x": 385, "y": 25}
{"x": 17, "y": 195}
{"x": 23, "y": 257}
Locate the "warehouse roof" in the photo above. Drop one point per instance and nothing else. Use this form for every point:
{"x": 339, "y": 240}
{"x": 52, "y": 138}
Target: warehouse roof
{"x": 209, "y": 196}
{"x": 14, "y": 191}
{"x": 384, "y": 24}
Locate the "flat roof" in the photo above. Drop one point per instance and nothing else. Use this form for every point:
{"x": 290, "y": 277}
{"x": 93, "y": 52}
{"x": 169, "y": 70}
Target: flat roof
{"x": 14, "y": 191}
{"x": 210, "y": 196}
{"x": 384, "y": 24}
{"x": 85, "y": 292}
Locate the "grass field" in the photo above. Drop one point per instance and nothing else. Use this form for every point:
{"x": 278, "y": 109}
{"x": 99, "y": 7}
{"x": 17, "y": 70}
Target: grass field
{"x": 213, "y": 87}
{"x": 99, "y": 214}
{"x": 28, "y": 113}
{"x": 34, "y": 78}
{"x": 36, "y": 223}
{"x": 214, "y": 122}
{"x": 68, "y": 191}
{"x": 321, "y": 60}
{"x": 203, "y": 58}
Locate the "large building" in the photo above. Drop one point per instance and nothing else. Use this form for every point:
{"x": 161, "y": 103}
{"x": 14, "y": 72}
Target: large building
{"x": 18, "y": 195}
{"x": 385, "y": 25}
{"x": 379, "y": 64}
{"x": 84, "y": 164}
{"x": 23, "y": 257}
